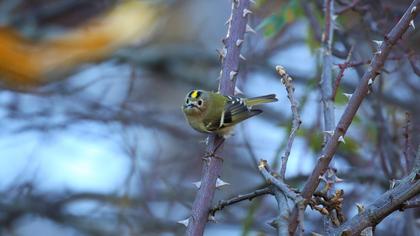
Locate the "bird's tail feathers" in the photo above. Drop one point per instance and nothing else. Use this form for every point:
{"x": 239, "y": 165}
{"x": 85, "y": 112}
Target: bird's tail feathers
{"x": 262, "y": 99}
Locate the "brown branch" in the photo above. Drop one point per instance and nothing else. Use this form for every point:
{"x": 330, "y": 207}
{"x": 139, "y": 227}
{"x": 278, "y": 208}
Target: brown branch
{"x": 350, "y": 6}
{"x": 410, "y": 204}
{"x": 287, "y": 82}
{"x": 355, "y": 101}
{"x": 389, "y": 202}
{"x": 249, "y": 196}
{"x": 230, "y": 65}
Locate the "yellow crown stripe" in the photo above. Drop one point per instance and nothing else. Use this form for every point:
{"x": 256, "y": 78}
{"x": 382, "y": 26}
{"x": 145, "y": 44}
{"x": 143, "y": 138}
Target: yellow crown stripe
{"x": 194, "y": 94}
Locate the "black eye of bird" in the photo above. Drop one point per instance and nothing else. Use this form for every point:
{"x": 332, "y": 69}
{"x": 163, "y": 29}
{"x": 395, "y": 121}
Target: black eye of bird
{"x": 200, "y": 102}
{"x": 187, "y": 101}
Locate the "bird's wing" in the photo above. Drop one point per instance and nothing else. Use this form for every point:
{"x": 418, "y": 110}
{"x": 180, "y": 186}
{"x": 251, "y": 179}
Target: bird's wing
{"x": 234, "y": 112}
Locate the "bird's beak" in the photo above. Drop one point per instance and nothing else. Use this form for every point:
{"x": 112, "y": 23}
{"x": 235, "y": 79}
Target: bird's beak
{"x": 189, "y": 106}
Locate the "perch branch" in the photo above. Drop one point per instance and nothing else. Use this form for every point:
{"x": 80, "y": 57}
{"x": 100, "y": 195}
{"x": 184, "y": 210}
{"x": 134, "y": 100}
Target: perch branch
{"x": 230, "y": 65}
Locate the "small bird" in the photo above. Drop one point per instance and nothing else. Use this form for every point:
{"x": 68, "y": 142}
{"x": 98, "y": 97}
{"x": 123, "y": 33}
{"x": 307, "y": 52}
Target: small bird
{"x": 210, "y": 112}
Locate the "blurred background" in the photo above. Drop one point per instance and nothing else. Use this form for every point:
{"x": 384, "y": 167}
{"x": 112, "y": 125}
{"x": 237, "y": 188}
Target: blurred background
{"x": 93, "y": 141}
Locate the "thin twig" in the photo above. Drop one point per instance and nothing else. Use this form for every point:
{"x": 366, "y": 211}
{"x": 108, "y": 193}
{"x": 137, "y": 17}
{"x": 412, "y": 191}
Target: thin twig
{"x": 249, "y": 196}
{"x": 287, "y": 82}
{"x": 340, "y": 75}
{"x": 407, "y": 142}
{"x": 356, "y": 99}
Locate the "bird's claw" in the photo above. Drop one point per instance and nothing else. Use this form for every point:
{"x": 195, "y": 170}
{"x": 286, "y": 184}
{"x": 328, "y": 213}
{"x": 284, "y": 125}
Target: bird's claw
{"x": 208, "y": 155}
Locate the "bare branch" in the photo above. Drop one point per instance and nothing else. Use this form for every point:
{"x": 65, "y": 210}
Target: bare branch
{"x": 280, "y": 190}
{"x": 230, "y": 63}
{"x": 249, "y": 196}
{"x": 326, "y": 77}
{"x": 355, "y": 101}
{"x": 287, "y": 82}
{"x": 389, "y": 202}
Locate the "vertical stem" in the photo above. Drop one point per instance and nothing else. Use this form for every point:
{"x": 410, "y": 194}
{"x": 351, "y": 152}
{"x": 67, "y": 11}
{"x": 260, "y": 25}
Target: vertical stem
{"x": 326, "y": 79}
{"x": 327, "y": 84}
{"x": 230, "y": 65}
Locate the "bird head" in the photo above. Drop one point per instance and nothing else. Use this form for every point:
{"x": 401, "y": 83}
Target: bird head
{"x": 195, "y": 102}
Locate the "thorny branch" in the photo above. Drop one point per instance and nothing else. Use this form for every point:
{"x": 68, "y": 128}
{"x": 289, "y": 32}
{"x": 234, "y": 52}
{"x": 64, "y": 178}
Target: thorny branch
{"x": 326, "y": 78}
{"x": 230, "y": 56}
{"x": 355, "y": 101}
{"x": 326, "y": 87}
{"x": 249, "y": 196}
{"x": 392, "y": 200}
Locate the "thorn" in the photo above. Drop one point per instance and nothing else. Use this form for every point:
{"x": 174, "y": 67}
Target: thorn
{"x": 207, "y": 140}
{"x": 323, "y": 179}
{"x": 222, "y": 52}
{"x": 239, "y": 42}
{"x": 197, "y": 184}
{"x": 273, "y": 224}
{"x": 249, "y": 29}
{"x": 378, "y": 52}
{"x": 246, "y": 12}
{"x": 329, "y": 132}
{"x": 392, "y": 183}
{"x": 348, "y": 95}
{"x": 370, "y": 82}
{"x": 360, "y": 208}
{"x": 413, "y": 9}
{"x": 184, "y": 222}
{"x": 212, "y": 218}
{"x": 412, "y": 24}
{"x": 238, "y": 91}
{"x": 242, "y": 57}
{"x": 228, "y": 21}
{"x": 232, "y": 74}
{"x": 220, "y": 183}
{"x": 330, "y": 173}
{"x": 378, "y": 42}
{"x": 220, "y": 75}
{"x": 334, "y": 17}
{"x": 341, "y": 139}
{"x": 338, "y": 180}
{"x": 236, "y": 2}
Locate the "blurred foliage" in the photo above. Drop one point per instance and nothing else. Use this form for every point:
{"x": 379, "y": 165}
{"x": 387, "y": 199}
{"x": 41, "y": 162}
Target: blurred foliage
{"x": 285, "y": 14}
{"x": 25, "y": 62}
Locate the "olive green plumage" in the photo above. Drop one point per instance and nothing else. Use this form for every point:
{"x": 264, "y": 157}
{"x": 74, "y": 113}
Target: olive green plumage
{"x": 211, "y": 112}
